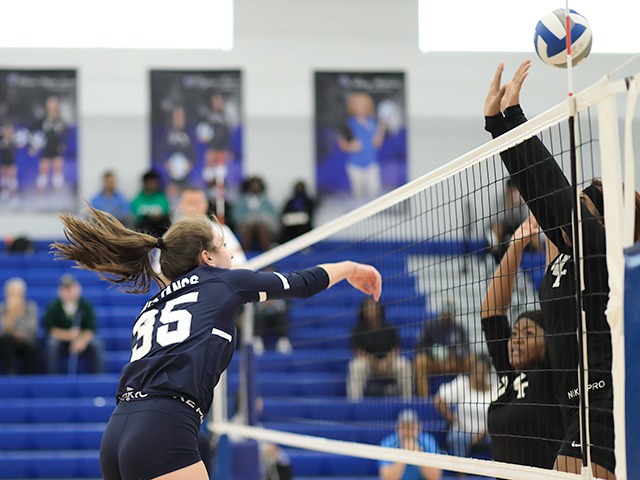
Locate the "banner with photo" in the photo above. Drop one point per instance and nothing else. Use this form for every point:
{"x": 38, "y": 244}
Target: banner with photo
{"x": 361, "y": 136}
{"x": 38, "y": 140}
{"x": 196, "y": 130}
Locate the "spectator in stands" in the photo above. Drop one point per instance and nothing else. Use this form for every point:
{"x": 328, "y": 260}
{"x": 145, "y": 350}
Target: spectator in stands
{"x": 18, "y": 328}
{"x": 409, "y": 436}
{"x": 442, "y": 350}
{"x": 255, "y": 216}
{"x": 271, "y": 320}
{"x": 464, "y": 402}
{"x": 193, "y": 202}
{"x": 151, "y": 206}
{"x": 297, "y": 214}
{"x": 377, "y": 368}
{"x": 110, "y": 200}
{"x": 71, "y": 327}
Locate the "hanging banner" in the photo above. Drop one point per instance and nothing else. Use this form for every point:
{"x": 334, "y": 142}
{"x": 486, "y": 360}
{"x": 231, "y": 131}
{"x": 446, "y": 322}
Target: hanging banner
{"x": 196, "y": 130}
{"x": 361, "y": 136}
{"x": 38, "y": 140}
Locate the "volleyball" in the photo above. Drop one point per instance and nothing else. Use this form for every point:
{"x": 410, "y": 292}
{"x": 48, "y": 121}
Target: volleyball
{"x": 550, "y": 38}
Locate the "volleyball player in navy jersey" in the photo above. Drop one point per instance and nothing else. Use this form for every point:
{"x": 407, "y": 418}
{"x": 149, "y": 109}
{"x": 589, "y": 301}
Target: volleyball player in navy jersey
{"x": 184, "y": 337}
{"x": 548, "y": 195}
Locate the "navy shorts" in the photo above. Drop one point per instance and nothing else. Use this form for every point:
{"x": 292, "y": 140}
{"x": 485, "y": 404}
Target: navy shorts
{"x": 148, "y": 438}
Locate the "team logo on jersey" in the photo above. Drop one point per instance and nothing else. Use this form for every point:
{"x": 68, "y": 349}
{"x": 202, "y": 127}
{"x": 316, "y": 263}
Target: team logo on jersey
{"x": 558, "y": 270}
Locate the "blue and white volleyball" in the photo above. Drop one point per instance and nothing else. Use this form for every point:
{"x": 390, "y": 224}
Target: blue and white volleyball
{"x": 550, "y": 38}
{"x": 37, "y": 140}
{"x": 389, "y": 113}
{"x": 22, "y": 137}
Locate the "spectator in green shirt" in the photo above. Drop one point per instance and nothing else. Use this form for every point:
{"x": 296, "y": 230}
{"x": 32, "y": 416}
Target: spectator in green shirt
{"x": 71, "y": 328}
{"x": 151, "y": 207}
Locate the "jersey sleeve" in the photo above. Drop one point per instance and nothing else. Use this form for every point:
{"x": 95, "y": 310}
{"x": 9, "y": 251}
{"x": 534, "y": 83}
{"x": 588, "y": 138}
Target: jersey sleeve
{"x": 261, "y": 286}
{"x": 536, "y": 174}
{"x": 496, "y": 334}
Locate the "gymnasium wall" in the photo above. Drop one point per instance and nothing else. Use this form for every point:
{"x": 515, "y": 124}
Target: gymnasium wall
{"x": 278, "y": 44}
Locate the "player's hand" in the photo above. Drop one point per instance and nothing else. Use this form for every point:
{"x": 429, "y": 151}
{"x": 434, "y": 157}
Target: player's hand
{"x": 495, "y": 94}
{"x": 512, "y": 89}
{"x": 366, "y": 279}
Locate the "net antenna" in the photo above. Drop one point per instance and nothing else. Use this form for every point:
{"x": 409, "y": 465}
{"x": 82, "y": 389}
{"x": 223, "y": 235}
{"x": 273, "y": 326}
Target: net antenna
{"x": 576, "y": 175}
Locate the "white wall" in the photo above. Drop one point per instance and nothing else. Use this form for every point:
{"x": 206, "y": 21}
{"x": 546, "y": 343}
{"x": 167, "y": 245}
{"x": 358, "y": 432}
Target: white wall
{"x": 278, "y": 45}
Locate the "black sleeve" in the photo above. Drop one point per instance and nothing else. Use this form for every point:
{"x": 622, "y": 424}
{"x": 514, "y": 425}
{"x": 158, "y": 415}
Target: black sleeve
{"x": 496, "y": 332}
{"x": 536, "y": 174}
{"x": 260, "y": 286}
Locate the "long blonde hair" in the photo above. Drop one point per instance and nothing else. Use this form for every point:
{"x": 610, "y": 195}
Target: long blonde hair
{"x": 122, "y": 256}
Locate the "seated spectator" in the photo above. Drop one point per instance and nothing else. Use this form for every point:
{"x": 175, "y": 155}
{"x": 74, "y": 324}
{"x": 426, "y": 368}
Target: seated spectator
{"x": 409, "y": 436}
{"x": 151, "y": 206}
{"x": 255, "y": 216}
{"x": 377, "y": 368}
{"x": 297, "y": 215}
{"x": 442, "y": 350}
{"x": 18, "y": 328}
{"x": 71, "y": 325}
{"x": 464, "y": 403}
{"x": 110, "y": 200}
{"x": 271, "y": 321}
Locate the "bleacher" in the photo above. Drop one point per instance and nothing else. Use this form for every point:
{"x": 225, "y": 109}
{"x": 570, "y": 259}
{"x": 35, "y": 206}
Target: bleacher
{"x": 51, "y": 426}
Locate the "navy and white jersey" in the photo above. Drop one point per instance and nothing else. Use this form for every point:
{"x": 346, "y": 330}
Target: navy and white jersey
{"x": 548, "y": 195}
{"x": 185, "y": 336}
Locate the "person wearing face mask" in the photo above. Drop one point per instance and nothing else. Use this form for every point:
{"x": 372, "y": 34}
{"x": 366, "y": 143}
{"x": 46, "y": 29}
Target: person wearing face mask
{"x": 525, "y": 421}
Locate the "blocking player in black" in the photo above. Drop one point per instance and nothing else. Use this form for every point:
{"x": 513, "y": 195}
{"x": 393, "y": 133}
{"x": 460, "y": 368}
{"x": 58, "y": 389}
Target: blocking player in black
{"x": 184, "y": 337}
{"x": 525, "y": 422}
{"x": 548, "y": 195}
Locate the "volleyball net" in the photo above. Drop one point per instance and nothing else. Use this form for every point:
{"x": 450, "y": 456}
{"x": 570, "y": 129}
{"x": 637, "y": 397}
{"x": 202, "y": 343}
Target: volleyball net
{"x": 438, "y": 242}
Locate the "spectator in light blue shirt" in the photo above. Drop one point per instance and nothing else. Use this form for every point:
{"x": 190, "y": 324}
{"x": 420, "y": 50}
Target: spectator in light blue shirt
{"x": 409, "y": 437}
{"x": 111, "y": 200}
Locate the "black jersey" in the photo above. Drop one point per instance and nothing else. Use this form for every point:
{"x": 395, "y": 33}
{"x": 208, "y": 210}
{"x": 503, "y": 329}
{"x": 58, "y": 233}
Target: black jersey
{"x": 53, "y": 130}
{"x": 525, "y": 421}
{"x": 7, "y": 151}
{"x": 548, "y": 195}
{"x": 185, "y": 336}
{"x": 220, "y": 125}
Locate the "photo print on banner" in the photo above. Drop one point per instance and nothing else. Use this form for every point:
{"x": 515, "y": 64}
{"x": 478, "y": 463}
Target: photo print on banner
{"x": 361, "y": 137}
{"x": 196, "y": 131}
{"x": 38, "y": 140}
